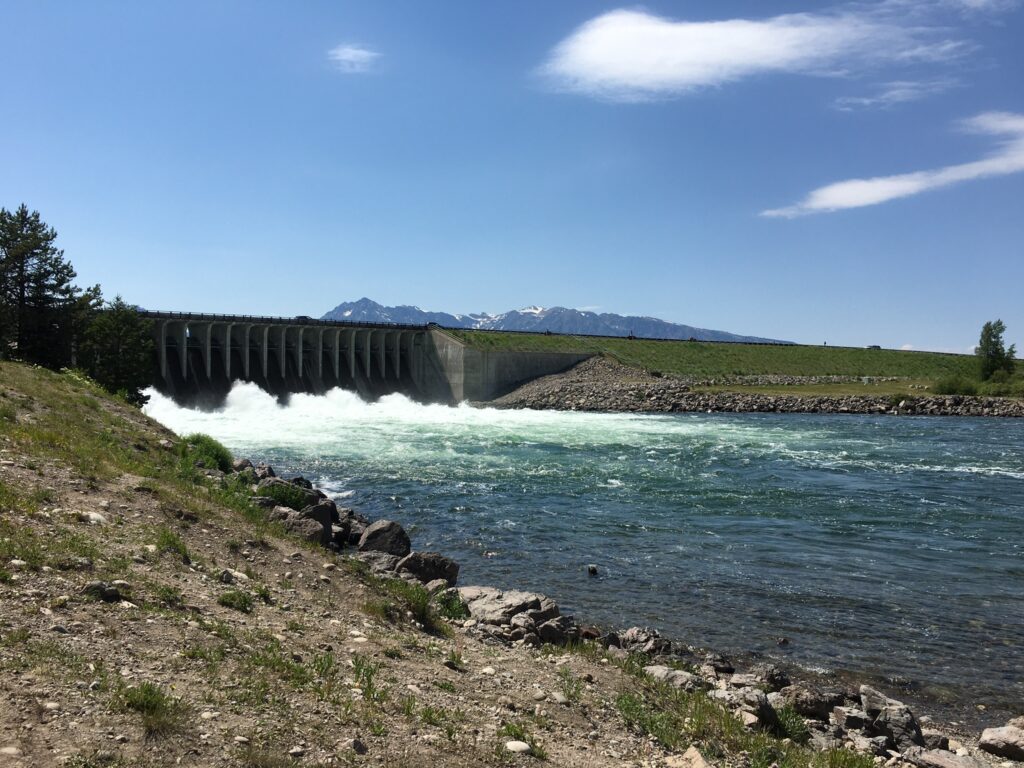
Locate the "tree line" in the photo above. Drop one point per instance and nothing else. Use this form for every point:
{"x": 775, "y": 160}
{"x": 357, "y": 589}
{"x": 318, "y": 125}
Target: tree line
{"x": 47, "y": 320}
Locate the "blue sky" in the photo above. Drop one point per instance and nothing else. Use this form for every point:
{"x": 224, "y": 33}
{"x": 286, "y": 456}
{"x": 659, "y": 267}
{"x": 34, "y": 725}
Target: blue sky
{"x": 851, "y": 173}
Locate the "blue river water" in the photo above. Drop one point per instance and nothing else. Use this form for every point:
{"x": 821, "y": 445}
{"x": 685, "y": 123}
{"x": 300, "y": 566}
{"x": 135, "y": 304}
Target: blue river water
{"x": 877, "y": 546}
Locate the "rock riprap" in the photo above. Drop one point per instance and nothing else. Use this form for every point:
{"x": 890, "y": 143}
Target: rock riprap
{"x": 599, "y": 384}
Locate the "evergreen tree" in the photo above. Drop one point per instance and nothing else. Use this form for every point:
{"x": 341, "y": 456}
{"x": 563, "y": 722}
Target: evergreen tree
{"x": 117, "y": 351}
{"x": 41, "y": 307}
{"x": 992, "y": 355}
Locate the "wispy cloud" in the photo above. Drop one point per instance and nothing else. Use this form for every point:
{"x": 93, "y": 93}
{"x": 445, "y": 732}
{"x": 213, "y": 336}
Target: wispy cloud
{"x": 630, "y": 55}
{"x": 896, "y": 92}
{"x": 352, "y": 59}
{"x": 857, "y": 193}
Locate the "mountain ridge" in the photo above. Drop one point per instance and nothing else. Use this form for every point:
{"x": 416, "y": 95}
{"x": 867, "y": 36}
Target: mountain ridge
{"x": 538, "y": 319}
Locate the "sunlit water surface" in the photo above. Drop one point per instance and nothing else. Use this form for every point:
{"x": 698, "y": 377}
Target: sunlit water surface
{"x": 876, "y": 545}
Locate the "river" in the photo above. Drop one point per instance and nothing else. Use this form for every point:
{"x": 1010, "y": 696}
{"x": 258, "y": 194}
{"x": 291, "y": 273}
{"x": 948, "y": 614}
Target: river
{"x": 876, "y": 546}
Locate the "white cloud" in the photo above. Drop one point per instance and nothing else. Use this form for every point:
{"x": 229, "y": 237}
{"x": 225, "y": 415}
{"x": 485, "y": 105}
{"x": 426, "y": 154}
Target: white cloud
{"x": 857, "y": 193}
{"x": 907, "y": 347}
{"x": 352, "y": 59}
{"x": 633, "y": 55}
{"x": 896, "y": 92}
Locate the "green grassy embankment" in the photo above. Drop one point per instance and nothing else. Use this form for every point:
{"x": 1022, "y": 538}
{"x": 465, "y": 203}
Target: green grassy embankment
{"x": 714, "y": 360}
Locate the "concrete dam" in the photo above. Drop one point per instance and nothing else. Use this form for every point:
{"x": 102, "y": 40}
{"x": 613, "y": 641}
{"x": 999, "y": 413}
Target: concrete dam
{"x": 199, "y": 357}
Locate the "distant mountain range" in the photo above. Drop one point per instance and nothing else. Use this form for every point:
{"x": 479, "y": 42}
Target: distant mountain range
{"x": 554, "y": 319}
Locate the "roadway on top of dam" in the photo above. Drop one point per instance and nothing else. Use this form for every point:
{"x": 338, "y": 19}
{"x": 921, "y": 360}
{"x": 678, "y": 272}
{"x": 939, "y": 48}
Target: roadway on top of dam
{"x": 207, "y": 317}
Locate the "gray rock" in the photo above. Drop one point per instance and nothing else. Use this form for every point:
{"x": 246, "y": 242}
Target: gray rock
{"x": 1007, "y": 741}
{"x": 939, "y": 758}
{"x": 774, "y": 679}
{"x": 554, "y": 631}
{"x": 263, "y": 502}
{"x": 379, "y": 562}
{"x": 751, "y": 701}
{"x": 547, "y": 610}
{"x": 239, "y": 464}
{"x": 492, "y": 606}
{"x": 850, "y": 718}
{"x": 264, "y": 470}
{"x": 101, "y": 590}
{"x": 934, "y": 739}
{"x": 872, "y": 745}
{"x": 340, "y": 533}
{"x": 810, "y": 701}
{"x": 677, "y": 678}
{"x": 644, "y": 640}
{"x": 429, "y": 566}
{"x": 323, "y": 514}
{"x": 890, "y": 718}
{"x": 385, "y": 536}
{"x": 437, "y": 586}
{"x": 305, "y": 528}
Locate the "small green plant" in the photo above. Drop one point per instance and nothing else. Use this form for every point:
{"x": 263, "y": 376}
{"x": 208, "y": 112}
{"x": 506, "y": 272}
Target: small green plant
{"x": 263, "y": 593}
{"x": 236, "y": 599}
{"x": 365, "y": 672}
{"x": 570, "y": 685}
{"x": 170, "y": 542}
{"x": 203, "y": 451}
{"x": 450, "y": 606}
{"x": 408, "y": 706}
{"x": 168, "y": 596}
{"x": 285, "y": 494}
{"x": 393, "y": 653}
{"x": 792, "y": 725}
{"x": 445, "y": 685}
{"x": 455, "y": 661}
{"x": 161, "y": 713}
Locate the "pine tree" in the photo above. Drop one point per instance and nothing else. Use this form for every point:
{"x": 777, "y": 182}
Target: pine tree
{"x": 40, "y": 307}
{"x": 992, "y": 355}
{"x": 117, "y": 351}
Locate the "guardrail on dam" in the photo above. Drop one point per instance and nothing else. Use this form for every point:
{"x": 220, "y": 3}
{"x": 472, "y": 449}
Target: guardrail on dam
{"x": 199, "y": 356}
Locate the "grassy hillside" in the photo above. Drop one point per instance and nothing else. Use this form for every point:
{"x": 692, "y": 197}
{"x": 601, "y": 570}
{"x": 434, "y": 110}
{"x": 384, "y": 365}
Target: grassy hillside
{"x": 215, "y": 639}
{"x": 710, "y": 359}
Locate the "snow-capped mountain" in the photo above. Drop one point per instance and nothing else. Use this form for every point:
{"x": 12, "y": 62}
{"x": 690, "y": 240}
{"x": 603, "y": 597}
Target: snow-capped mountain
{"x": 554, "y": 319}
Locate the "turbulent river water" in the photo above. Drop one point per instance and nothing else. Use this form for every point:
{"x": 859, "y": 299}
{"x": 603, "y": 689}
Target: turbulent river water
{"x": 878, "y": 546}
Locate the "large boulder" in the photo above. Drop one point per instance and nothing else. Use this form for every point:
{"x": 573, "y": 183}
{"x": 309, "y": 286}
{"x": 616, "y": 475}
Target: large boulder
{"x": 492, "y": 606}
{"x": 429, "y": 566}
{"x": 385, "y": 536}
{"x": 677, "y": 678}
{"x": 322, "y": 513}
{"x": 1007, "y": 741}
{"x": 810, "y": 701}
{"x": 304, "y": 527}
{"x": 264, "y": 470}
{"x": 644, "y": 640}
{"x": 381, "y": 563}
{"x": 940, "y": 758}
{"x": 890, "y": 718}
{"x": 750, "y": 705}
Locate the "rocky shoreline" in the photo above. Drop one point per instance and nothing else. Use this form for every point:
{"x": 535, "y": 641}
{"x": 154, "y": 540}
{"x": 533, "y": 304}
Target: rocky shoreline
{"x": 601, "y": 385}
{"x": 835, "y": 715}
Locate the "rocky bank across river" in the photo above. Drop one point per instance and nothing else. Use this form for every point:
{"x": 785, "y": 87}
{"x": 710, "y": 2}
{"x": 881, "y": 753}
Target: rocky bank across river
{"x": 835, "y": 715}
{"x": 600, "y": 384}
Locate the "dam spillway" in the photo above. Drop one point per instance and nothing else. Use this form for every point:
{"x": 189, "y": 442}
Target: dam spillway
{"x": 199, "y": 356}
